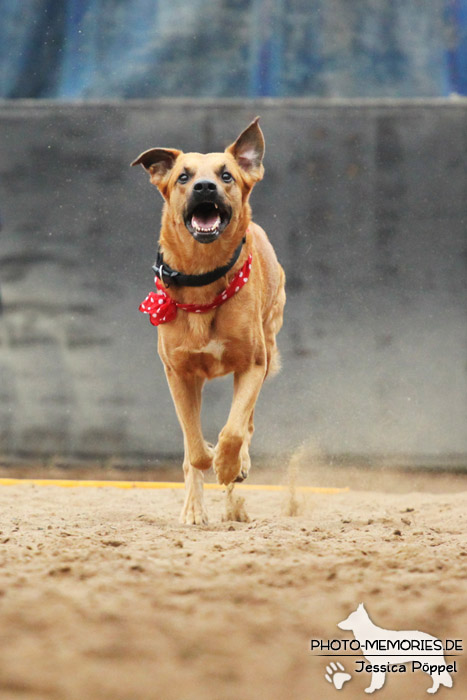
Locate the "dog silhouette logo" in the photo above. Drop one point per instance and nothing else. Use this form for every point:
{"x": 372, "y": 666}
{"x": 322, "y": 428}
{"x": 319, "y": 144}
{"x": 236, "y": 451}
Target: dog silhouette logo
{"x": 392, "y": 650}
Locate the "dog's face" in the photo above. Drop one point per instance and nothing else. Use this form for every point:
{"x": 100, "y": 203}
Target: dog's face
{"x": 206, "y": 193}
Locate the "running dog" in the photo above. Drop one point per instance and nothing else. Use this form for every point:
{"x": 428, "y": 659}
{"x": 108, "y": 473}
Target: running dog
{"x": 220, "y": 299}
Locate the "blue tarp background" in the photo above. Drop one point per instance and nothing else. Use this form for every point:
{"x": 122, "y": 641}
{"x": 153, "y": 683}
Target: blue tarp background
{"x": 231, "y": 48}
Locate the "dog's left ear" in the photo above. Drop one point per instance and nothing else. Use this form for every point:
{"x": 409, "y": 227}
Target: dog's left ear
{"x": 248, "y": 150}
{"x": 158, "y": 162}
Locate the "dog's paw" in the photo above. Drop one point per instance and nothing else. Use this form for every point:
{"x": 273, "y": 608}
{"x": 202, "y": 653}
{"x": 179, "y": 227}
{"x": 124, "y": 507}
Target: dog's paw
{"x": 193, "y": 514}
{"x": 227, "y": 461}
{"x": 240, "y": 477}
{"x": 336, "y": 675}
{"x": 193, "y": 511}
{"x": 245, "y": 464}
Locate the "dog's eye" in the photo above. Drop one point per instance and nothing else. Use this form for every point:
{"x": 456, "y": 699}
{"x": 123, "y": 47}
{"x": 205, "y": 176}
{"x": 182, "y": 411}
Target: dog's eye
{"x": 183, "y": 178}
{"x": 226, "y": 176}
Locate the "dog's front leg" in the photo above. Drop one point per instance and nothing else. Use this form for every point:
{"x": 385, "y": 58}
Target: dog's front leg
{"x": 234, "y": 437}
{"x": 193, "y": 511}
{"x": 377, "y": 681}
{"x": 186, "y": 394}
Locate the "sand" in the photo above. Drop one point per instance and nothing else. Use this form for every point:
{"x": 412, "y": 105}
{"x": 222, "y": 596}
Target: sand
{"x": 103, "y": 595}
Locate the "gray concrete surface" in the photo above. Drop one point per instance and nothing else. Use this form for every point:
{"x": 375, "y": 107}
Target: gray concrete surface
{"x": 366, "y": 205}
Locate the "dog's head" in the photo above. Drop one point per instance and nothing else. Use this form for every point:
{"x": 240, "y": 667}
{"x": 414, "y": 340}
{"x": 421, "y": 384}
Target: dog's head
{"x": 354, "y": 619}
{"x": 206, "y": 193}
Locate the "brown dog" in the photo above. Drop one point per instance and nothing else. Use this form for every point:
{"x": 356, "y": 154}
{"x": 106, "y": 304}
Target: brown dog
{"x": 210, "y": 253}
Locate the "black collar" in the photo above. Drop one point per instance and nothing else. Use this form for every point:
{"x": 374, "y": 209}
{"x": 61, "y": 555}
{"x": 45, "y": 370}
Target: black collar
{"x": 169, "y": 276}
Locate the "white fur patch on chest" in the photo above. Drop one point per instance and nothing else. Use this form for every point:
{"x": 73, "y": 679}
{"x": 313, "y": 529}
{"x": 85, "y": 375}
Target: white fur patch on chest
{"x": 215, "y": 348}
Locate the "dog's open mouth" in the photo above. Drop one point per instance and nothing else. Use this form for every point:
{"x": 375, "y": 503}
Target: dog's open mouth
{"x": 206, "y": 221}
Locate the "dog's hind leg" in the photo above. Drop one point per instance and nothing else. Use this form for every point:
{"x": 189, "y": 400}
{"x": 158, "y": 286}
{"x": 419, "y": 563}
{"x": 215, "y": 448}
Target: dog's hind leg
{"x": 442, "y": 678}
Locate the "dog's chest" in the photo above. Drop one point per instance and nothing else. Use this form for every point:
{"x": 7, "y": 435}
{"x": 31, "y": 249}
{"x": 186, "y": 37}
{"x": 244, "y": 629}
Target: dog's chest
{"x": 214, "y": 349}
{"x": 206, "y": 360}
{"x": 213, "y": 357}
{"x": 205, "y": 345}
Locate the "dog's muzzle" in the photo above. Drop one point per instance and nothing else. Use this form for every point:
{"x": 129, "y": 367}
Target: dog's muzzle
{"x": 207, "y": 215}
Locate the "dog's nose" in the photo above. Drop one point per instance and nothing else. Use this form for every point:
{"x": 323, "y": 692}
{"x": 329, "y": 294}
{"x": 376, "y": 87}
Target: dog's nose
{"x": 205, "y": 187}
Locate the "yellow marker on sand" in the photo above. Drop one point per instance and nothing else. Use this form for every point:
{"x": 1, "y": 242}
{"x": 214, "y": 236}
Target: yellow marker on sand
{"x": 74, "y": 483}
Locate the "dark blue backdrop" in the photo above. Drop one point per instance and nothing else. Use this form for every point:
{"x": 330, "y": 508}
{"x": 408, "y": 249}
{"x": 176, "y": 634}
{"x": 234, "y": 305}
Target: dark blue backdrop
{"x": 226, "y": 48}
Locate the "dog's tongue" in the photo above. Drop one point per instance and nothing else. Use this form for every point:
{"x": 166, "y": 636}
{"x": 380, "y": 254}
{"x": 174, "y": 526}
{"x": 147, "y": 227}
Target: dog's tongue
{"x": 208, "y": 220}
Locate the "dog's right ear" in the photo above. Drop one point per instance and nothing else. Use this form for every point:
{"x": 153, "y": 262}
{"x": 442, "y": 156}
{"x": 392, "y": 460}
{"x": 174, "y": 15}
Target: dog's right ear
{"x": 158, "y": 162}
{"x": 248, "y": 150}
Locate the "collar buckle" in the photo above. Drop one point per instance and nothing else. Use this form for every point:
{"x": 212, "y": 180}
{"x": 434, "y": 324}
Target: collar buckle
{"x": 169, "y": 276}
{"x": 164, "y": 272}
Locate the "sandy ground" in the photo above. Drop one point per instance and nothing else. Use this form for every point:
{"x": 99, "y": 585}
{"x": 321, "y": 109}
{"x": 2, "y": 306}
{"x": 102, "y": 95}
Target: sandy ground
{"x": 104, "y": 596}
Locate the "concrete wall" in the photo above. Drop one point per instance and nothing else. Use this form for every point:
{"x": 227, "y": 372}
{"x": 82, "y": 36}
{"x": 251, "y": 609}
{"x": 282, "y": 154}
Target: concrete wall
{"x": 366, "y": 204}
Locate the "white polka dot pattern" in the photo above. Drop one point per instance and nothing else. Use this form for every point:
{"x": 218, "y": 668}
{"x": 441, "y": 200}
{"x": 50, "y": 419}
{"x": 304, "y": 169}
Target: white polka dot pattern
{"x": 161, "y": 308}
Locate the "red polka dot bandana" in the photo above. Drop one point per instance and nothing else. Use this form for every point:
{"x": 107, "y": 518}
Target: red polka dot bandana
{"x": 162, "y": 308}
